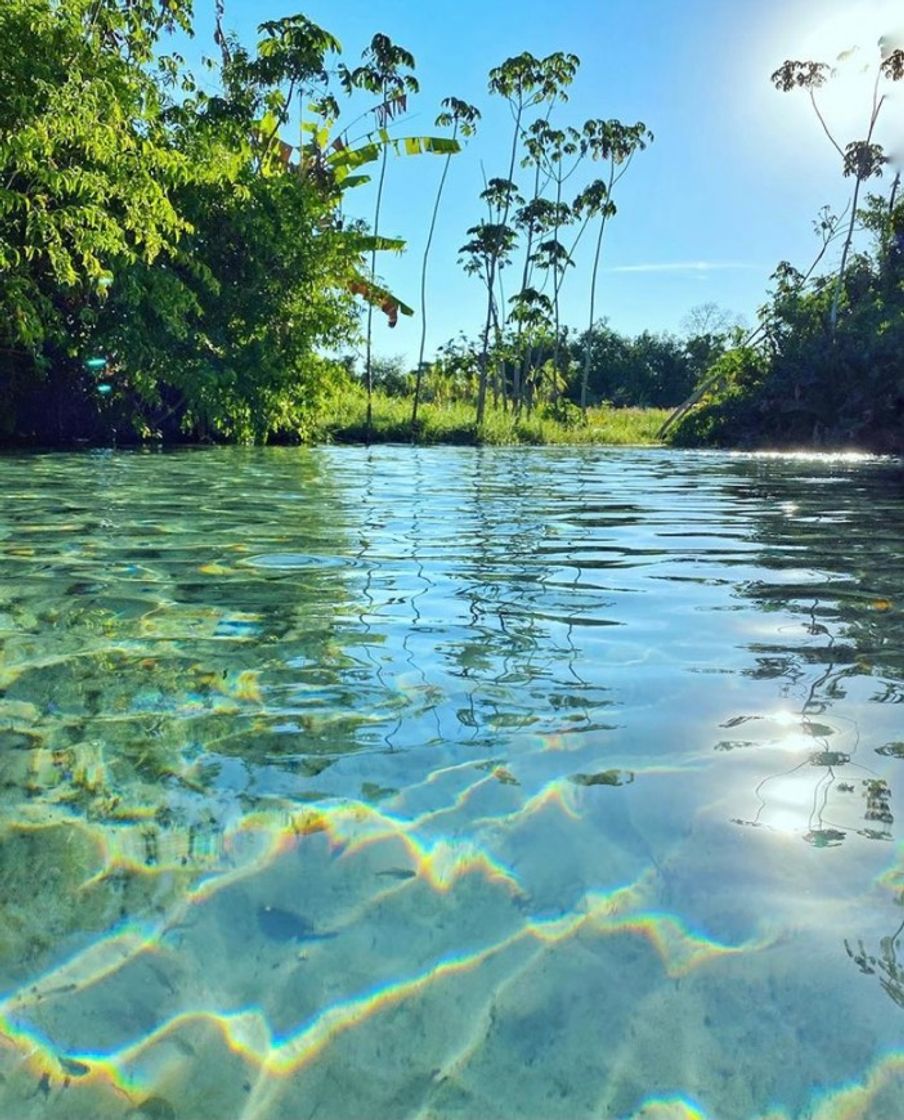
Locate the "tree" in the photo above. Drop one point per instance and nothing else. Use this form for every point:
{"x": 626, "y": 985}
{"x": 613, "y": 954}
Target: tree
{"x": 170, "y": 239}
{"x": 524, "y": 82}
{"x": 88, "y": 172}
{"x": 488, "y": 251}
{"x": 794, "y": 382}
{"x": 708, "y": 320}
{"x": 559, "y": 152}
{"x": 382, "y": 73}
{"x": 616, "y": 144}
{"x": 861, "y": 160}
{"x": 647, "y": 371}
{"x": 462, "y": 118}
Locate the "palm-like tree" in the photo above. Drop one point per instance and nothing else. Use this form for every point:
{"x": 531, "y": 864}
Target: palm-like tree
{"x": 462, "y": 118}
{"x": 617, "y": 144}
{"x": 383, "y": 72}
{"x": 861, "y": 159}
{"x": 524, "y": 81}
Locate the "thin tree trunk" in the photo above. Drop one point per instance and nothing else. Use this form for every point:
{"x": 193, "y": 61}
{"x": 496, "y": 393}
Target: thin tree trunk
{"x": 491, "y": 283}
{"x": 517, "y": 375}
{"x": 420, "y": 356}
{"x": 555, "y": 284}
{"x": 839, "y": 279}
{"x": 498, "y": 373}
{"x": 368, "y": 365}
{"x": 585, "y": 373}
{"x": 482, "y": 365}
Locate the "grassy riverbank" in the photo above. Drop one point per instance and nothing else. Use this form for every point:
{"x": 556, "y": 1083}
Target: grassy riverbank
{"x": 345, "y": 421}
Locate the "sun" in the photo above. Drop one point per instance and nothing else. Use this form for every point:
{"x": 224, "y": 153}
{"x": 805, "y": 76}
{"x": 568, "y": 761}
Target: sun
{"x": 841, "y": 26}
{"x": 844, "y": 34}
{"x": 863, "y": 34}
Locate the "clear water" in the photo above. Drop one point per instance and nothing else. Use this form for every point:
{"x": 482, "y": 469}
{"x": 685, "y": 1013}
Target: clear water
{"x": 451, "y": 783}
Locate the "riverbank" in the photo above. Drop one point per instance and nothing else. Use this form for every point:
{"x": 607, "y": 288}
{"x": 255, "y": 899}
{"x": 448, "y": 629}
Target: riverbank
{"x": 345, "y": 421}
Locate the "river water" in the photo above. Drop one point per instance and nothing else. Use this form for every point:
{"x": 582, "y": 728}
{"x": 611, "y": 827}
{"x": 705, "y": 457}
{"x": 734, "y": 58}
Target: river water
{"x": 451, "y": 783}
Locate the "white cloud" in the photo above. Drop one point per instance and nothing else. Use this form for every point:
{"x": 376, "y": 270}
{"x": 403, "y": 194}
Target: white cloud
{"x": 684, "y": 266}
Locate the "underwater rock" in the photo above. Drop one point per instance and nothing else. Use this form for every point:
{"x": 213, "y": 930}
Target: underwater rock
{"x": 825, "y": 837}
{"x": 74, "y": 1068}
{"x": 603, "y": 778}
{"x": 154, "y": 1108}
{"x": 505, "y": 776}
{"x": 371, "y": 791}
{"x": 286, "y": 925}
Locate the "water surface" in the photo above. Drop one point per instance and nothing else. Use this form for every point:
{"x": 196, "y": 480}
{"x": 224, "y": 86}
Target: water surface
{"x": 451, "y": 783}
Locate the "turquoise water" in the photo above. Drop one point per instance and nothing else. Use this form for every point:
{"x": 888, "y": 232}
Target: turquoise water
{"x": 451, "y": 783}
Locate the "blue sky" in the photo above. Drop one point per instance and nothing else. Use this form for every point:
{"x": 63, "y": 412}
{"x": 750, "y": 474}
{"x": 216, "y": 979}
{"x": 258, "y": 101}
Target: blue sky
{"x": 729, "y": 187}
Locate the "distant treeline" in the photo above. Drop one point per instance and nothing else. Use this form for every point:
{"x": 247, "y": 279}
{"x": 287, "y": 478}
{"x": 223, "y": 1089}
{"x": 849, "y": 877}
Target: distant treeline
{"x": 602, "y": 366}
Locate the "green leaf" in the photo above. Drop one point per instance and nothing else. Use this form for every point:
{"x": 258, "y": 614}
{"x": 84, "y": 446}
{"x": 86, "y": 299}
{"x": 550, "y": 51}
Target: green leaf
{"x": 367, "y": 243}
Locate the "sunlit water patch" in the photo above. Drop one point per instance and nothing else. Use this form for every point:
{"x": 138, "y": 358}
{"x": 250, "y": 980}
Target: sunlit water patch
{"x": 451, "y": 783}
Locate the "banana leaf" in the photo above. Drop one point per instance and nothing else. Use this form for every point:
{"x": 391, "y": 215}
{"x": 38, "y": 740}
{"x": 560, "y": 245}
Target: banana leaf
{"x": 350, "y": 158}
{"x": 372, "y": 293}
{"x": 367, "y": 243}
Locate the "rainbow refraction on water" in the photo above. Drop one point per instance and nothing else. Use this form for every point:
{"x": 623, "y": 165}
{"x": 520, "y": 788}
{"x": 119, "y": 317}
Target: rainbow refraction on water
{"x": 451, "y": 783}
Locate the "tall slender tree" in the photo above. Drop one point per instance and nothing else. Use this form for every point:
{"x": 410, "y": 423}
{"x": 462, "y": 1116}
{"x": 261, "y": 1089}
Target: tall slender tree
{"x": 492, "y": 242}
{"x": 462, "y": 118}
{"x": 616, "y": 144}
{"x": 861, "y": 159}
{"x": 523, "y": 81}
{"x": 385, "y": 72}
{"x": 531, "y": 309}
{"x": 560, "y": 152}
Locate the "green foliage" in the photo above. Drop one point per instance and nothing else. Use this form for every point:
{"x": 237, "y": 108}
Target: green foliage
{"x": 169, "y": 266}
{"x": 344, "y": 419}
{"x": 725, "y": 415}
{"x": 827, "y": 368}
{"x": 230, "y": 336}
{"x": 649, "y": 371}
{"x": 86, "y": 166}
{"x": 806, "y": 383}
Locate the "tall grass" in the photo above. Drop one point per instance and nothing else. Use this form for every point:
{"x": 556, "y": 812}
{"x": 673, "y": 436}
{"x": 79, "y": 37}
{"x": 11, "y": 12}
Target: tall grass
{"x": 344, "y": 420}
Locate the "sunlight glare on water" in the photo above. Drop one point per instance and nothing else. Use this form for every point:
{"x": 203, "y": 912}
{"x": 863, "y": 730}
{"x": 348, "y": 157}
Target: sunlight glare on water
{"x": 451, "y": 783}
